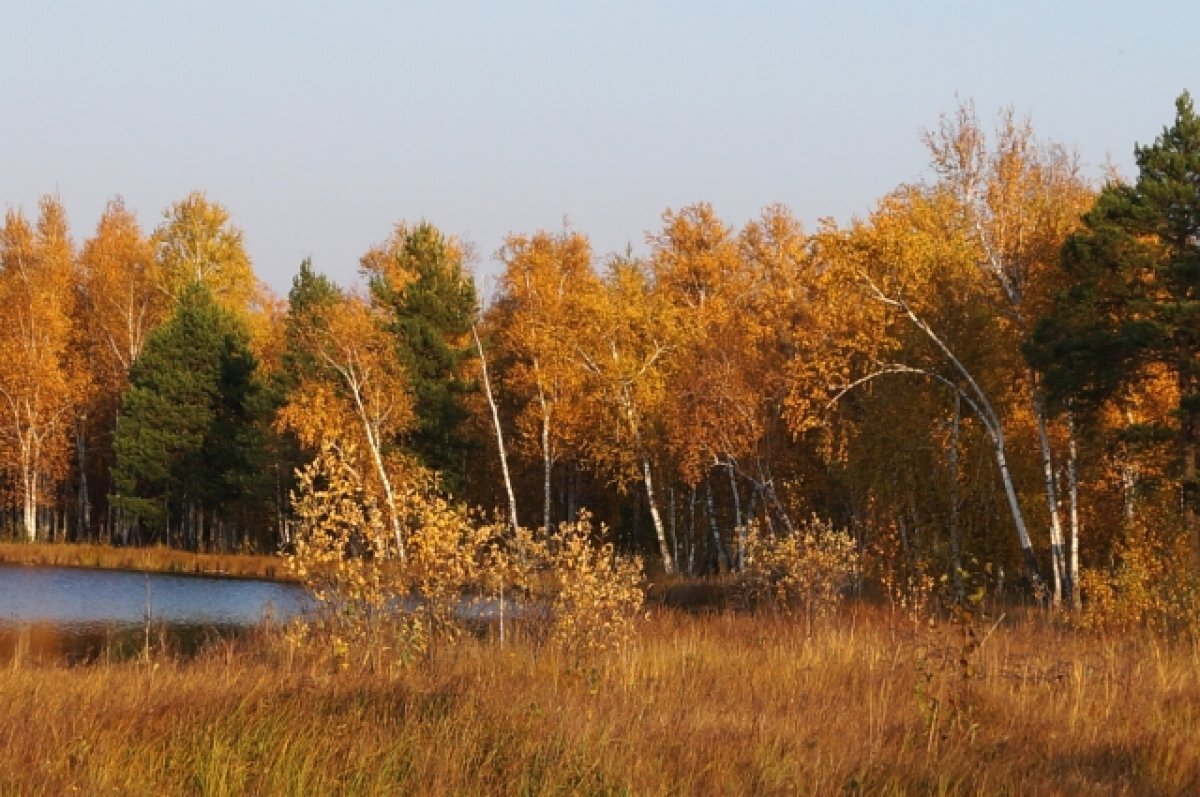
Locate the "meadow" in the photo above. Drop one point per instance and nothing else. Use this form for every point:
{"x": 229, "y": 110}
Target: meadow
{"x": 866, "y": 702}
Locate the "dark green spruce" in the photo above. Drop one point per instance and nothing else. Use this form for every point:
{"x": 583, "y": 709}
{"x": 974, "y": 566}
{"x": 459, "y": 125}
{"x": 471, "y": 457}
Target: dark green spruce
{"x": 190, "y": 437}
{"x": 431, "y": 317}
{"x": 1134, "y": 299}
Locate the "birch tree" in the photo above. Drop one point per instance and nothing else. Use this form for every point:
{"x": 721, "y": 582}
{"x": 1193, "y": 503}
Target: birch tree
{"x": 120, "y": 304}
{"x": 121, "y": 291}
{"x": 538, "y": 300}
{"x": 197, "y": 242}
{"x": 624, "y": 344}
{"x": 899, "y": 300}
{"x": 1016, "y": 200}
{"x": 39, "y": 384}
{"x": 360, "y": 393}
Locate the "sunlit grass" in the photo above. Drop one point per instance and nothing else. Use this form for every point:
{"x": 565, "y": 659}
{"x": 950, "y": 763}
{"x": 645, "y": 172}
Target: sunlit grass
{"x": 715, "y": 704}
{"x": 158, "y": 559}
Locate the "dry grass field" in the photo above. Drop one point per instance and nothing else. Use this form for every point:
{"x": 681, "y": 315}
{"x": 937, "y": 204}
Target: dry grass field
{"x": 712, "y": 704}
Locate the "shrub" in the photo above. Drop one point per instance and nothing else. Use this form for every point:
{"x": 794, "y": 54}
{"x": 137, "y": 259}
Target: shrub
{"x": 375, "y": 608}
{"x": 595, "y": 595}
{"x": 339, "y": 553}
{"x": 1145, "y": 587}
{"x": 805, "y": 572}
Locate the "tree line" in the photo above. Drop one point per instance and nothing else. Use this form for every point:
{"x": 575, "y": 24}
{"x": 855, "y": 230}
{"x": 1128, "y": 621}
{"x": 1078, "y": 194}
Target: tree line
{"x": 999, "y": 364}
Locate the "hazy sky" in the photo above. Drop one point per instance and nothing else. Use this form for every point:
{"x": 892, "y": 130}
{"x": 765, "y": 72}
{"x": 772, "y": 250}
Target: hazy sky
{"x": 321, "y": 125}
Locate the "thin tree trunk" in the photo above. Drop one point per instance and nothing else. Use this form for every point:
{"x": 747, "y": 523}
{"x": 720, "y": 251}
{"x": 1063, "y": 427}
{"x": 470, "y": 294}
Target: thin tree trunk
{"x": 1057, "y": 549}
{"x": 547, "y": 471}
{"x": 674, "y": 534}
{"x": 572, "y": 492}
{"x": 84, "y": 519}
{"x": 487, "y": 387}
{"x": 751, "y": 508}
{"x": 739, "y": 526}
{"x": 955, "y": 532}
{"x": 783, "y": 515}
{"x": 376, "y": 445}
{"x": 659, "y": 531}
{"x": 1073, "y": 488}
{"x": 1031, "y": 566}
{"x": 1188, "y": 430}
{"x": 31, "y": 505}
{"x": 691, "y": 565}
{"x": 714, "y": 530}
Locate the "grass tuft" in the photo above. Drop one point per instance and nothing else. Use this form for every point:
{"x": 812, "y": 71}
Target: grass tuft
{"x": 698, "y": 704}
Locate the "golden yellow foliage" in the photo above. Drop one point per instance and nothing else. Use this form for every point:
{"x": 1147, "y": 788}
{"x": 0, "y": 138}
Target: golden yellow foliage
{"x": 804, "y": 573}
{"x": 596, "y": 594}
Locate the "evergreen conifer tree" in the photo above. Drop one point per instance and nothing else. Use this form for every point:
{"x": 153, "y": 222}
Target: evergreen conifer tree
{"x": 189, "y": 439}
{"x": 1134, "y": 299}
{"x": 421, "y": 282}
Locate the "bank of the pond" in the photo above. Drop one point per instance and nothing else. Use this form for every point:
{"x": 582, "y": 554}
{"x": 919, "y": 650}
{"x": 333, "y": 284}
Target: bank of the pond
{"x": 156, "y": 559}
{"x": 53, "y": 613}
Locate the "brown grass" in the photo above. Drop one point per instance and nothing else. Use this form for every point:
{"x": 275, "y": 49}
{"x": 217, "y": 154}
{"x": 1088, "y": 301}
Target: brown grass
{"x": 721, "y": 704}
{"x": 156, "y": 559}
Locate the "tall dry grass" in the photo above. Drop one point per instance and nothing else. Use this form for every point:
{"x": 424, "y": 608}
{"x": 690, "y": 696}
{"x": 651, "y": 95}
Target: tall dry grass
{"x": 716, "y": 704}
{"x": 155, "y": 559}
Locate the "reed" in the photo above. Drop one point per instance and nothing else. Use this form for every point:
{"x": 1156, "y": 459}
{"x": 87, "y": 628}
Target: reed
{"x": 722, "y": 703}
{"x": 155, "y": 559}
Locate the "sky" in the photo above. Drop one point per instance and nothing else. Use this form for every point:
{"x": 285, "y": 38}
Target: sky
{"x": 320, "y": 126}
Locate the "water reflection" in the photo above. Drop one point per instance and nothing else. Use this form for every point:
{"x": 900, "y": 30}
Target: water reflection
{"x": 50, "y": 613}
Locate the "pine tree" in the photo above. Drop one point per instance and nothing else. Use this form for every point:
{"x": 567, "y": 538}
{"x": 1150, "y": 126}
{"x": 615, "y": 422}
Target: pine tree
{"x": 189, "y": 442}
{"x": 418, "y": 278}
{"x": 1134, "y": 301}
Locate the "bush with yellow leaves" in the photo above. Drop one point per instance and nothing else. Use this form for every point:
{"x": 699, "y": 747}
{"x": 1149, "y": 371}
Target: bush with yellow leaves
{"x": 376, "y": 608}
{"x": 805, "y": 572}
{"x": 341, "y": 554}
{"x": 595, "y": 596}
{"x": 1144, "y": 587}
{"x": 512, "y": 563}
{"x": 447, "y": 558}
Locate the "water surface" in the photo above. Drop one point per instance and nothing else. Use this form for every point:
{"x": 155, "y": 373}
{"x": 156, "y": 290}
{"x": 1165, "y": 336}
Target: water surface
{"x": 77, "y": 613}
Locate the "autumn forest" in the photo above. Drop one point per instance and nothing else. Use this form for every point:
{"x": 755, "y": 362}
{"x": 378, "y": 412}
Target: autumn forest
{"x": 990, "y": 381}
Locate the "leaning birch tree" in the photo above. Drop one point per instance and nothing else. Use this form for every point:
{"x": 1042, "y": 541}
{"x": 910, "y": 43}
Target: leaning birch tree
{"x": 1016, "y": 199}
{"x": 897, "y": 298}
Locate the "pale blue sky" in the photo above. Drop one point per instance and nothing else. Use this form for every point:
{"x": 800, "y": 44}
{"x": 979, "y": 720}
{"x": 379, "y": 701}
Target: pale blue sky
{"x": 320, "y": 125}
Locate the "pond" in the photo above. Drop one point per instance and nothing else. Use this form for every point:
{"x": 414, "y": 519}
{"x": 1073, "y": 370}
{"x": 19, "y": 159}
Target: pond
{"x": 77, "y": 614}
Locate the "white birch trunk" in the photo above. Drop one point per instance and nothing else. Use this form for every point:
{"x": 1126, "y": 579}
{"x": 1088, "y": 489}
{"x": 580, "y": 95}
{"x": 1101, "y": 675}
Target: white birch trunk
{"x": 659, "y": 531}
{"x": 722, "y": 555}
{"x": 1057, "y": 549}
{"x": 385, "y": 481}
{"x": 547, "y": 466}
{"x": 739, "y": 526}
{"x": 1073, "y": 488}
{"x": 1014, "y": 506}
{"x": 975, "y": 397}
{"x": 487, "y": 387}
{"x": 29, "y": 508}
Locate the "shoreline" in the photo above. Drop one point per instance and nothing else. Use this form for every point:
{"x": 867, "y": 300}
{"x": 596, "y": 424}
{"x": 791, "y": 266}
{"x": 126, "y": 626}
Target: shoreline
{"x": 154, "y": 559}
